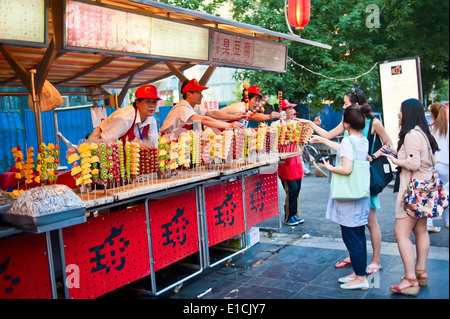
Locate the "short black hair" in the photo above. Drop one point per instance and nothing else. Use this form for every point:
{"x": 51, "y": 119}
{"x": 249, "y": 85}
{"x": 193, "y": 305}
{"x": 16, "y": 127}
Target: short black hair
{"x": 136, "y": 100}
{"x": 353, "y": 115}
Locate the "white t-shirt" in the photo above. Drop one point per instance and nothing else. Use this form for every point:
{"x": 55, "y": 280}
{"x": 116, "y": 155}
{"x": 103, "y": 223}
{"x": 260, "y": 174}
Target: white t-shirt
{"x": 180, "y": 115}
{"x": 119, "y": 122}
{"x": 442, "y": 141}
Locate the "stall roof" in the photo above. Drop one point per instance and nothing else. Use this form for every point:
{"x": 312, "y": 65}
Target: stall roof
{"x": 86, "y": 70}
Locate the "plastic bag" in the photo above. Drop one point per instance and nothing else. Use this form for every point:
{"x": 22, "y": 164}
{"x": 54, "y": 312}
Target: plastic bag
{"x": 46, "y": 200}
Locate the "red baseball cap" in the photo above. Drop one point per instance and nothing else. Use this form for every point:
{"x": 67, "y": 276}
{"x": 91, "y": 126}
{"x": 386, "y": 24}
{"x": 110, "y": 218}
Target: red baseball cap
{"x": 147, "y": 92}
{"x": 254, "y": 89}
{"x": 193, "y": 86}
{"x": 286, "y": 104}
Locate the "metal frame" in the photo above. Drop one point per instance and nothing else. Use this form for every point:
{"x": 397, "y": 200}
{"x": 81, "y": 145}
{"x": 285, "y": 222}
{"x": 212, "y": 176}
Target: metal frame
{"x": 206, "y": 248}
{"x": 154, "y": 290}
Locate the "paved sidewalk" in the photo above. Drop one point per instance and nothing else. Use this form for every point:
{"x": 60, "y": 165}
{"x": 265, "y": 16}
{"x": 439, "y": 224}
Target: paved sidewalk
{"x": 286, "y": 266}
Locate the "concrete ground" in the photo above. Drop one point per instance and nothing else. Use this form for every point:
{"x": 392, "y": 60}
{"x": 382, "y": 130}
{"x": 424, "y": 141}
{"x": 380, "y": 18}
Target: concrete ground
{"x": 298, "y": 262}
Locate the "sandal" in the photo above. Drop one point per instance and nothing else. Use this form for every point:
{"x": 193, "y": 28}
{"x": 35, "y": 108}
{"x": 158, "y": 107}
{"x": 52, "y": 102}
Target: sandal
{"x": 372, "y": 268}
{"x": 411, "y": 290}
{"x": 346, "y": 264}
{"x": 423, "y": 280}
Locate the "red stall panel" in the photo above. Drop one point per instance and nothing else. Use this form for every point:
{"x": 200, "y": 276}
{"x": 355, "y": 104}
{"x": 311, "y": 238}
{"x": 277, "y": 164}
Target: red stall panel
{"x": 174, "y": 228}
{"x": 224, "y": 211}
{"x": 108, "y": 251}
{"x": 261, "y": 198}
{"x": 24, "y": 268}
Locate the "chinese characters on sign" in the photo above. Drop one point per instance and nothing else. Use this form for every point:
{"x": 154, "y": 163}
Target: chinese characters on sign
{"x": 257, "y": 198}
{"x": 232, "y": 49}
{"x": 24, "y": 267}
{"x": 229, "y": 49}
{"x": 22, "y": 20}
{"x": 226, "y": 211}
{"x": 176, "y": 227}
{"x": 108, "y": 249}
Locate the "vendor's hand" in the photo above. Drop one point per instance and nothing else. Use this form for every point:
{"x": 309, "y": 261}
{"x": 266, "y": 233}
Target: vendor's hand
{"x": 234, "y": 125}
{"x": 317, "y": 121}
{"x": 274, "y": 115}
{"x": 241, "y": 116}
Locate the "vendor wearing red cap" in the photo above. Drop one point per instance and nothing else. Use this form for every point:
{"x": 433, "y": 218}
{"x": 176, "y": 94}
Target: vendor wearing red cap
{"x": 290, "y": 173}
{"x": 254, "y": 97}
{"x": 134, "y": 120}
{"x": 190, "y": 109}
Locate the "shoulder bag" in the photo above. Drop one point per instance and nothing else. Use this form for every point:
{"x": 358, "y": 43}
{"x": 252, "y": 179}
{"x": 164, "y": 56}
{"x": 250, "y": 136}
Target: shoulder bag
{"x": 354, "y": 186}
{"x": 380, "y": 168}
{"x": 425, "y": 198}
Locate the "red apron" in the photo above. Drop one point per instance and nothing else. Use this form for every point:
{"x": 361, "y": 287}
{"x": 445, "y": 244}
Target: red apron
{"x": 130, "y": 133}
{"x": 291, "y": 169}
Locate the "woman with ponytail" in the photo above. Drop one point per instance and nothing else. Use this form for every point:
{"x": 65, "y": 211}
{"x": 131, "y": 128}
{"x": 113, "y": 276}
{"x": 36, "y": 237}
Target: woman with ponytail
{"x": 357, "y": 97}
{"x": 439, "y": 130}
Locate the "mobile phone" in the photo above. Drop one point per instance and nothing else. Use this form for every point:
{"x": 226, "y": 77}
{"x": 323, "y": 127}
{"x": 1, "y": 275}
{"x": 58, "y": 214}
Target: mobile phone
{"x": 389, "y": 152}
{"x": 325, "y": 158}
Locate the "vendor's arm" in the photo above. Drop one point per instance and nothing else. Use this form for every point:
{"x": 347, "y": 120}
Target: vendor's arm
{"x": 113, "y": 127}
{"x": 319, "y": 139}
{"x": 260, "y": 117}
{"x": 211, "y": 122}
{"x": 225, "y": 116}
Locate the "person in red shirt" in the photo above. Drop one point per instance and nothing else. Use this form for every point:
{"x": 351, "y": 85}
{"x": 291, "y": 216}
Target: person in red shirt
{"x": 291, "y": 173}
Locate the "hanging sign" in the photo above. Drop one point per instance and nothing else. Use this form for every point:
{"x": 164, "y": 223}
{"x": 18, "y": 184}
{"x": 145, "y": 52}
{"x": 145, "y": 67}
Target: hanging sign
{"x": 233, "y": 50}
{"x": 94, "y": 27}
{"x": 24, "y": 22}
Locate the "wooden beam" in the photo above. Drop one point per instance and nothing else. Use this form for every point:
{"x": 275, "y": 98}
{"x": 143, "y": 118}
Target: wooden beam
{"x": 166, "y": 75}
{"x": 18, "y": 68}
{"x": 177, "y": 72}
{"x": 135, "y": 71}
{"x": 58, "y": 55}
{"x": 207, "y": 75}
{"x": 124, "y": 91}
{"x": 96, "y": 66}
{"x": 53, "y": 47}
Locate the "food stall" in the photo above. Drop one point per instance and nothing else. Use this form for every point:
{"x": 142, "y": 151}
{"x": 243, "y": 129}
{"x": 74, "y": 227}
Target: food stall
{"x": 65, "y": 238}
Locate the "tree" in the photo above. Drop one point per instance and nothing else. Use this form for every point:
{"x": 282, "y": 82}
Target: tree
{"x": 407, "y": 28}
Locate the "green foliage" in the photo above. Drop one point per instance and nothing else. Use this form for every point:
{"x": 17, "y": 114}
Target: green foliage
{"x": 196, "y": 5}
{"x": 407, "y": 28}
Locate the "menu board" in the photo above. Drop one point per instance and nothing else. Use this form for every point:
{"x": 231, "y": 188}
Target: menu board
{"x": 96, "y": 27}
{"x": 229, "y": 49}
{"x": 400, "y": 80}
{"x": 179, "y": 40}
{"x": 23, "y": 21}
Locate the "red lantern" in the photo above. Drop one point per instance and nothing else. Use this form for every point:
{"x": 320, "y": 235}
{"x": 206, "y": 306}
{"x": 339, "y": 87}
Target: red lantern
{"x": 299, "y": 12}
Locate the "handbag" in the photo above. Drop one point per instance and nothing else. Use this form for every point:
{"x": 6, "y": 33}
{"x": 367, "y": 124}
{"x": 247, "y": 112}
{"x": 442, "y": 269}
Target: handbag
{"x": 380, "y": 169}
{"x": 425, "y": 198}
{"x": 354, "y": 186}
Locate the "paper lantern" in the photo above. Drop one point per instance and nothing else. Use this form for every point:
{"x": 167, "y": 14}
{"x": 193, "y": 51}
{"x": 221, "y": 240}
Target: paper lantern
{"x": 299, "y": 12}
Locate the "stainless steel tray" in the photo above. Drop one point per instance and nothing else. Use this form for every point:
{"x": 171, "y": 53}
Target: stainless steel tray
{"x": 4, "y": 208}
{"x": 47, "y": 222}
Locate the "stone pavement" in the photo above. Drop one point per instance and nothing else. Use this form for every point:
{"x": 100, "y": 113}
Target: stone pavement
{"x": 298, "y": 262}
